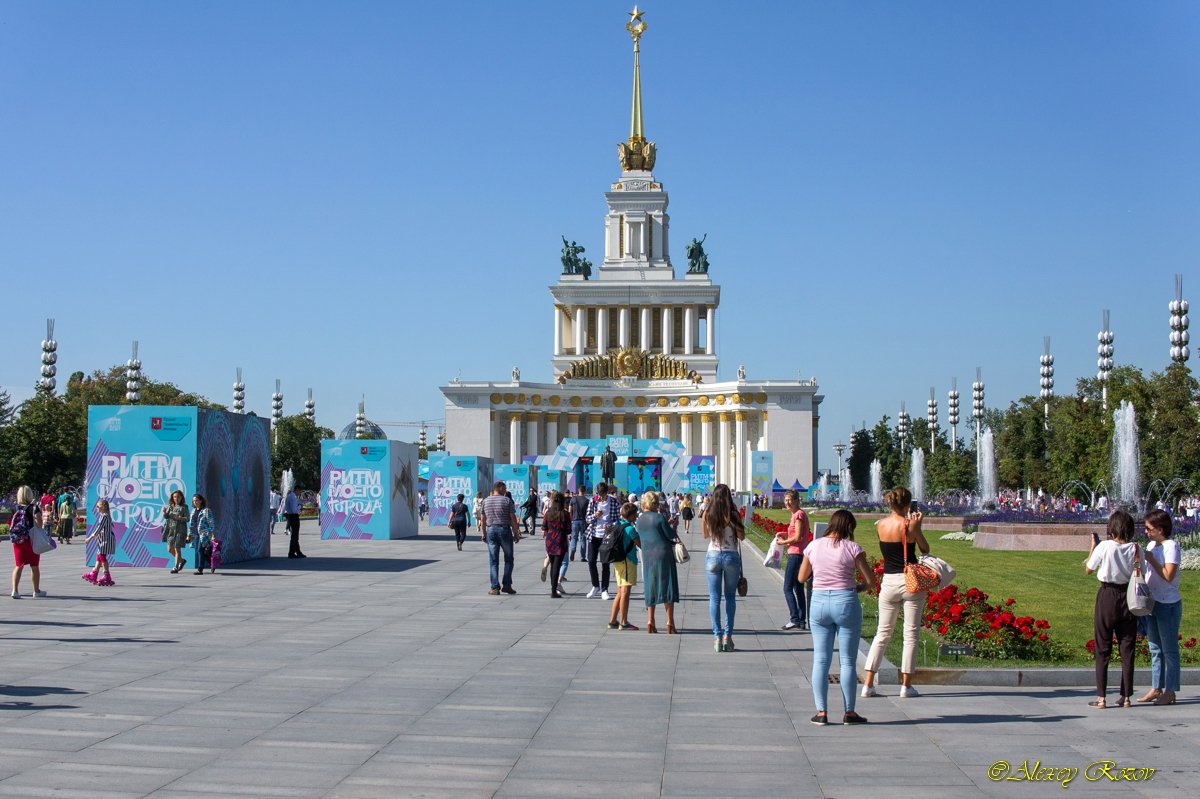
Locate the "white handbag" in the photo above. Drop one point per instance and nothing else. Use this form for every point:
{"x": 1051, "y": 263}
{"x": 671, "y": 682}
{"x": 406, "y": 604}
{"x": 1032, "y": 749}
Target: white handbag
{"x": 1137, "y": 595}
{"x": 681, "y": 553}
{"x": 40, "y": 540}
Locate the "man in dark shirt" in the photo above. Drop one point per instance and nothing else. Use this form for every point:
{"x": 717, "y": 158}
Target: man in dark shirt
{"x": 460, "y": 516}
{"x": 579, "y": 509}
{"x": 500, "y": 531}
{"x": 530, "y": 507}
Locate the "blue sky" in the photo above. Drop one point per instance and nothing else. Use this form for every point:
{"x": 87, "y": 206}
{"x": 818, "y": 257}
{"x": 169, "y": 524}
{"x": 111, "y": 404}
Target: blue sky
{"x": 341, "y": 195}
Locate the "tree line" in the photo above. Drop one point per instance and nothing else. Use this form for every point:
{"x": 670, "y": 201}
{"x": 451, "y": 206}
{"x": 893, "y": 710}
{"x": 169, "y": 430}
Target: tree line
{"x": 43, "y": 441}
{"x": 1076, "y": 446}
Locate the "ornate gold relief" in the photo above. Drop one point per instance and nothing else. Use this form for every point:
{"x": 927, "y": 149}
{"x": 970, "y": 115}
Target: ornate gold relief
{"x": 640, "y": 402}
{"x": 685, "y": 401}
{"x": 629, "y": 362}
{"x": 509, "y": 399}
{"x": 760, "y": 398}
{"x": 663, "y": 402}
{"x": 739, "y": 415}
{"x": 555, "y": 400}
{"x": 495, "y": 398}
{"x": 596, "y": 402}
{"x": 720, "y": 399}
{"x": 536, "y": 399}
{"x": 618, "y": 402}
{"x": 576, "y": 402}
{"x": 521, "y": 399}
{"x": 735, "y": 399}
{"x": 702, "y": 401}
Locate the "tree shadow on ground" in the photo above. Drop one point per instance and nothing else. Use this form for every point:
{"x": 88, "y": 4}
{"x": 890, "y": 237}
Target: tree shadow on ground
{"x": 106, "y": 640}
{"x": 36, "y": 623}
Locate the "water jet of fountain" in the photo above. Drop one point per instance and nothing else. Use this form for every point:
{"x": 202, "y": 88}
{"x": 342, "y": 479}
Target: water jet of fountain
{"x": 916, "y": 478}
{"x": 1126, "y": 457}
{"x": 876, "y": 481}
{"x": 987, "y": 467}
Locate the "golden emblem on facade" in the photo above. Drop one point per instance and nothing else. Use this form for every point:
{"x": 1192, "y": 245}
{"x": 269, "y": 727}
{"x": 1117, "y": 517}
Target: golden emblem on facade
{"x": 630, "y": 362}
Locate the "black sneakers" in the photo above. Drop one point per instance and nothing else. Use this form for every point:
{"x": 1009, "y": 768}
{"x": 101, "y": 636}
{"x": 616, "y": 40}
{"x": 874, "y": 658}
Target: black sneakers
{"x": 821, "y": 719}
{"x": 853, "y": 718}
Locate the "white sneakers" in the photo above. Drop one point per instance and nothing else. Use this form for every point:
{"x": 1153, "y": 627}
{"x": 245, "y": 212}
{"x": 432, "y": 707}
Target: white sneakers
{"x": 604, "y": 595}
{"x": 906, "y": 692}
{"x": 38, "y": 594}
{"x": 595, "y": 592}
{"x": 15, "y": 595}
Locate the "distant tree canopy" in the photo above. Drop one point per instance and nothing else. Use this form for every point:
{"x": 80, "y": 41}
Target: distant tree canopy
{"x": 1076, "y": 447}
{"x": 43, "y": 442}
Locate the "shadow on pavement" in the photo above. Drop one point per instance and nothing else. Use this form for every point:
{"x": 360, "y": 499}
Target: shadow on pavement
{"x": 317, "y": 563}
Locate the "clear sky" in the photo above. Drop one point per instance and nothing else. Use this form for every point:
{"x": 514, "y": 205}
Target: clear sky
{"x": 341, "y": 195}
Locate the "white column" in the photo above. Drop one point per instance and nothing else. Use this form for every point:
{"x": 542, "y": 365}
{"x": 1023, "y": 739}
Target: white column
{"x": 618, "y": 424}
{"x": 646, "y": 317}
{"x": 572, "y": 425}
{"x": 685, "y": 431}
{"x": 623, "y": 326}
{"x": 643, "y": 426}
{"x": 532, "y": 422}
{"x": 689, "y": 330}
{"x": 723, "y": 450}
{"x": 742, "y": 464}
{"x": 711, "y": 348}
{"x": 602, "y": 329}
{"x": 766, "y": 439}
{"x": 552, "y": 439}
{"x": 494, "y": 422}
{"x": 595, "y": 425}
{"x": 664, "y": 425}
{"x": 580, "y": 321}
{"x": 514, "y": 437}
{"x": 668, "y": 323}
{"x": 557, "y": 331}
{"x": 706, "y": 434}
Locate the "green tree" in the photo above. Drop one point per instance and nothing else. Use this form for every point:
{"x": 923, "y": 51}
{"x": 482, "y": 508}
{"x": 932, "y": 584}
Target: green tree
{"x": 862, "y": 452}
{"x": 1021, "y": 445}
{"x": 108, "y": 388}
{"x": 1171, "y": 442}
{"x": 46, "y": 445}
{"x": 296, "y": 445}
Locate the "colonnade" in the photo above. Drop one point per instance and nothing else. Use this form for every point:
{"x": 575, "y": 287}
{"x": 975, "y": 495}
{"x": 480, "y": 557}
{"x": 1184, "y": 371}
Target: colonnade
{"x": 729, "y": 435}
{"x": 656, "y": 329}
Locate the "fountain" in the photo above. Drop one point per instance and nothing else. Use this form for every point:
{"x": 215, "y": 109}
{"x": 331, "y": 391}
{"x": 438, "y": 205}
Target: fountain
{"x": 876, "y": 482}
{"x": 823, "y": 487}
{"x": 846, "y": 488}
{"x": 916, "y": 477}
{"x": 987, "y": 468}
{"x": 1126, "y": 457}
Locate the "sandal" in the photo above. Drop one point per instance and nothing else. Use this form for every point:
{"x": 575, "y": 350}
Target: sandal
{"x": 650, "y": 628}
{"x": 1098, "y": 702}
{"x": 1124, "y": 701}
{"x": 671, "y": 630}
{"x": 1152, "y": 695}
{"x": 1165, "y": 698}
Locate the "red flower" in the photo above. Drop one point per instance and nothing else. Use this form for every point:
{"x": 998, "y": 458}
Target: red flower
{"x": 1010, "y": 601}
{"x": 1043, "y": 637}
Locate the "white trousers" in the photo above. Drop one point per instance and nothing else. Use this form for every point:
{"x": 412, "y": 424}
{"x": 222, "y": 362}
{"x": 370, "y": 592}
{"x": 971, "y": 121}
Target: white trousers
{"x": 893, "y": 597}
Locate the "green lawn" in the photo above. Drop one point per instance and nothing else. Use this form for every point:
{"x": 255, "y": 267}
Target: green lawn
{"x": 1046, "y": 585}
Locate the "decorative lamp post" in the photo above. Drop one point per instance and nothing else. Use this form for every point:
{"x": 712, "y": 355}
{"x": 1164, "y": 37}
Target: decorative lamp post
{"x": 133, "y": 377}
{"x": 239, "y": 393}
{"x": 839, "y": 448}
{"x": 902, "y": 427}
{"x": 1105, "y": 361}
{"x": 1047, "y": 392}
{"x": 932, "y": 405}
{"x": 46, "y": 383}
{"x": 360, "y": 421}
{"x": 977, "y": 413}
{"x": 1179, "y": 324}
{"x": 310, "y": 408}
{"x": 277, "y": 409}
{"x": 952, "y": 413}
{"x": 422, "y": 438}
{"x": 441, "y": 440}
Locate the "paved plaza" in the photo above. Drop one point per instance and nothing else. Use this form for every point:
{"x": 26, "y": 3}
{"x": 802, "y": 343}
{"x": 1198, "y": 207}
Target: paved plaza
{"x": 384, "y": 669}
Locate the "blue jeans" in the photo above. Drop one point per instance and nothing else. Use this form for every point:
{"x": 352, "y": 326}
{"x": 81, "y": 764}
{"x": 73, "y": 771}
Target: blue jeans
{"x": 793, "y": 590}
{"x": 724, "y": 569}
{"x": 835, "y": 613}
{"x": 1164, "y": 645}
{"x": 500, "y": 538}
{"x": 578, "y": 541}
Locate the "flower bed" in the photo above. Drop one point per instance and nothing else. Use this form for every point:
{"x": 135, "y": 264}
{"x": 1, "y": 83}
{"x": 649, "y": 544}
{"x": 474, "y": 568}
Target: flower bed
{"x": 1189, "y": 653}
{"x": 995, "y": 631}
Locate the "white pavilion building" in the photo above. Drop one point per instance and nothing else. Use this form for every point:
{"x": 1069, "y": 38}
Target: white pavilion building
{"x": 634, "y": 354}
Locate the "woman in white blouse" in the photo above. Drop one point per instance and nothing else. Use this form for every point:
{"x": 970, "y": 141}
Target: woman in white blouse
{"x": 1162, "y": 576}
{"x": 1112, "y": 560}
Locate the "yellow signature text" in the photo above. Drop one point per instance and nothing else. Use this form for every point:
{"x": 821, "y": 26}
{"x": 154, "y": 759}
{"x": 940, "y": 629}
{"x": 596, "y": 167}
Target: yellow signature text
{"x": 1096, "y": 771}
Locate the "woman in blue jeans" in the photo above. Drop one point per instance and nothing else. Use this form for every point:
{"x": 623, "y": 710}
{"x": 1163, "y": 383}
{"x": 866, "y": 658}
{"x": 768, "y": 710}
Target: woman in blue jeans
{"x": 835, "y": 610}
{"x": 723, "y": 527}
{"x": 1162, "y": 560}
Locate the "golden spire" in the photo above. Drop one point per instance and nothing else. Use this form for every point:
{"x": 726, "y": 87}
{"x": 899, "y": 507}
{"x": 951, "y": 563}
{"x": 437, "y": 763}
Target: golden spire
{"x": 636, "y": 27}
{"x": 637, "y": 153}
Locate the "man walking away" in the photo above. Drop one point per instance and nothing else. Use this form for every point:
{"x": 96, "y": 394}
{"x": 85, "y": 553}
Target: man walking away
{"x": 500, "y": 531}
{"x": 603, "y": 510}
{"x": 291, "y": 512}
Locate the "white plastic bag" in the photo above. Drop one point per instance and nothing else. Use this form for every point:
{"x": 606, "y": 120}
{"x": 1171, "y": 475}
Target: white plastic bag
{"x": 774, "y": 555}
{"x": 945, "y": 572}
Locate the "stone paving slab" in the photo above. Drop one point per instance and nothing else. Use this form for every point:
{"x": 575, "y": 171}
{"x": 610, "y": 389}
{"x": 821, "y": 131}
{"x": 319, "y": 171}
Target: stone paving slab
{"x": 383, "y": 669}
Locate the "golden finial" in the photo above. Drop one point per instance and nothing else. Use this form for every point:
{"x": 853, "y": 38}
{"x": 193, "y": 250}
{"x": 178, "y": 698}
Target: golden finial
{"x": 637, "y": 153}
{"x": 636, "y": 26}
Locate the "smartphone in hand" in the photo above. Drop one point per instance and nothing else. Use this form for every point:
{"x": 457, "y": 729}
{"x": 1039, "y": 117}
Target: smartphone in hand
{"x": 1095, "y": 539}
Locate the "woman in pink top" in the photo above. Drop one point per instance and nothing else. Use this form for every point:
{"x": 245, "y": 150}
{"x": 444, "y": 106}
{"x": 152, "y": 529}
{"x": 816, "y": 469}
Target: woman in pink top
{"x": 835, "y": 610}
{"x": 796, "y": 538}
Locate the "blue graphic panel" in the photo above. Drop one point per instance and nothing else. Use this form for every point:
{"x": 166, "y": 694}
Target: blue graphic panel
{"x": 451, "y": 475}
{"x": 355, "y": 489}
